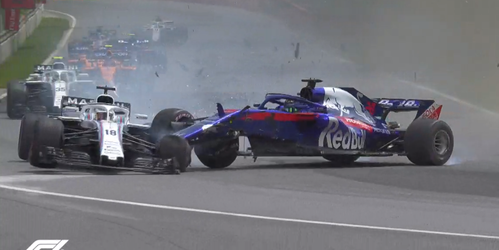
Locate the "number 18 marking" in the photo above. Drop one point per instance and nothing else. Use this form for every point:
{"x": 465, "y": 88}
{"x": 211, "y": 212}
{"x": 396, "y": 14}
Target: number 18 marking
{"x": 111, "y": 132}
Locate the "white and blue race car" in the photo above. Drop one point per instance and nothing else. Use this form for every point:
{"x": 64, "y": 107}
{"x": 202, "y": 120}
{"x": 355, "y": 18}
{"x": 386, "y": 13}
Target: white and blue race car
{"x": 98, "y": 133}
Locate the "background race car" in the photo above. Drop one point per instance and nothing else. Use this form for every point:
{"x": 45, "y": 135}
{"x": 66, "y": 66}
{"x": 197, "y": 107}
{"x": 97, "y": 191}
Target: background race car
{"x": 163, "y": 32}
{"x": 42, "y": 91}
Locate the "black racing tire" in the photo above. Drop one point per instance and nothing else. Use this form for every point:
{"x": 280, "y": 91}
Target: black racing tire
{"x": 48, "y": 132}
{"x": 26, "y": 135}
{"x": 429, "y": 142}
{"x": 161, "y": 124}
{"x": 45, "y": 98}
{"x": 15, "y": 97}
{"x": 217, "y": 155}
{"x": 48, "y": 98}
{"x": 56, "y": 110}
{"x": 341, "y": 160}
{"x": 176, "y": 148}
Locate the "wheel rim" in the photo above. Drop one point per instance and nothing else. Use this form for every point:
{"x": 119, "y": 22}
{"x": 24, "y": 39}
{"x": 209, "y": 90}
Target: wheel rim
{"x": 441, "y": 142}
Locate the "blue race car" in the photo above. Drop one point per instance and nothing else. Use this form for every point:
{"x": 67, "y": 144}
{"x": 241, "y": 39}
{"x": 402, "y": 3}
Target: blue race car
{"x": 338, "y": 123}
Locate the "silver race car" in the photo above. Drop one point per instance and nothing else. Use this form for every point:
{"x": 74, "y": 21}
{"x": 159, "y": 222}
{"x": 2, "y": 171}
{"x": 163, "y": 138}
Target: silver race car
{"x": 165, "y": 32}
{"x": 42, "y": 91}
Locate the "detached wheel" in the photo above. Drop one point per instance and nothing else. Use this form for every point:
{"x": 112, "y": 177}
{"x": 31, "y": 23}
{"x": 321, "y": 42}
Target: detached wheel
{"x": 429, "y": 142}
{"x": 176, "y": 147}
{"x": 217, "y": 155}
{"x": 48, "y": 133}
{"x": 26, "y": 135}
{"x": 341, "y": 159}
{"x": 162, "y": 123}
{"x": 16, "y": 99}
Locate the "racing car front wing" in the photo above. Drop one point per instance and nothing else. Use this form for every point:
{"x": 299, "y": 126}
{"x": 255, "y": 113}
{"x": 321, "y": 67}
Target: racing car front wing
{"x": 71, "y": 158}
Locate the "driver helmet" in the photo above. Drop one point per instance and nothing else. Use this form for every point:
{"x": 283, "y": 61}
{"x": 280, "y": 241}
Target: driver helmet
{"x": 288, "y": 106}
{"x": 100, "y": 114}
{"x": 59, "y": 65}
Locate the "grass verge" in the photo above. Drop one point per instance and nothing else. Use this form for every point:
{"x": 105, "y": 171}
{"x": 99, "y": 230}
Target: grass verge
{"x": 34, "y": 51}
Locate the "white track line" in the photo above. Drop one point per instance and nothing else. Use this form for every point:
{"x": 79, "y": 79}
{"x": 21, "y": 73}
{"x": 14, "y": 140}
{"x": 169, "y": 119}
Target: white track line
{"x": 449, "y": 97}
{"x": 65, "y": 37}
{"x": 204, "y": 211}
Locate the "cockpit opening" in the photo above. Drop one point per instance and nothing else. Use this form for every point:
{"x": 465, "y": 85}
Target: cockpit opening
{"x": 105, "y": 99}
{"x": 58, "y": 66}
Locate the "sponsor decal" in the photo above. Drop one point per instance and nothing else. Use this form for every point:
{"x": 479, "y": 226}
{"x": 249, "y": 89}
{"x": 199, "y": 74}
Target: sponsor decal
{"x": 433, "y": 112}
{"x": 12, "y": 19}
{"x": 68, "y": 100}
{"x": 371, "y": 107}
{"x": 77, "y": 101}
{"x": 399, "y": 103}
{"x": 110, "y": 136}
{"x": 385, "y": 102}
{"x": 339, "y": 139}
{"x": 43, "y": 67}
{"x": 381, "y": 130}
{"x": 356, "y": 123}
{"x": 18, "y": 4}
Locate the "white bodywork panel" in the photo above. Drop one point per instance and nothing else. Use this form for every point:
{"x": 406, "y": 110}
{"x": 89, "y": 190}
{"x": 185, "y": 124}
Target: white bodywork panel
{"x": 335, "y": 98}
{"x": 347, "y": 104}
{"x": 60, "y": 90}
{"x": 156, "y": 28}
{"x": 156, "y": 33}
{"x": 110, "y": 138}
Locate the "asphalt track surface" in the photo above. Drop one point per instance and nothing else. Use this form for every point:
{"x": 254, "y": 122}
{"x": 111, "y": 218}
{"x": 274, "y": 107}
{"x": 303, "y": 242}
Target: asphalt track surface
{"x": 236, "y": 51}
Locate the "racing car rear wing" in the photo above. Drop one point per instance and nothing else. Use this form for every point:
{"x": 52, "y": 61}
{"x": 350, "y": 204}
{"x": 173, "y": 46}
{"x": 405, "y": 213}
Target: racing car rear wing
{"x": 42, "y": 68}
{"x": 381, "y": 107}
{"x": 70, "y": 101}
